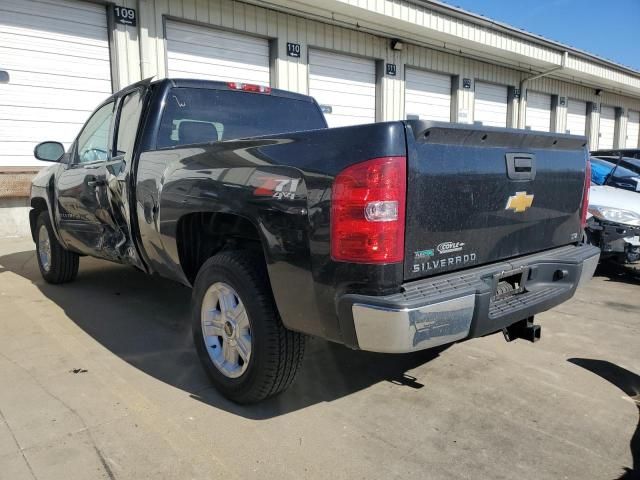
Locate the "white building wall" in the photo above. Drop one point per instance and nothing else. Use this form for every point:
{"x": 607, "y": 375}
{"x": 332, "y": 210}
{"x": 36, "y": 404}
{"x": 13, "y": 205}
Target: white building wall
{"x": 486, "y": 37}
{"x": 125, "y": 52}
{"x": 292, "y": 73}
{"x": 364, "y": 28}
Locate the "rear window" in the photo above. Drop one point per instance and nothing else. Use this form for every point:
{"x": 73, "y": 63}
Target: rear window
{"x": 632, "y": 164}
{"x": 198, "y": 115}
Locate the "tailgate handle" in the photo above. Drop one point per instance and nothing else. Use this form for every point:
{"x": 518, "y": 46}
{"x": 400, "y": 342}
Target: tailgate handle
{"x": 521, "y": 166}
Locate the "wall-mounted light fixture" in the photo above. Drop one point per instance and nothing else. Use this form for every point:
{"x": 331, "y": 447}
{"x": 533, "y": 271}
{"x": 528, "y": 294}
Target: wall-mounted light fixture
{"x": 396, "y": 44}
{"x": 4, "y": 76}
{"x": 598, "y": 92}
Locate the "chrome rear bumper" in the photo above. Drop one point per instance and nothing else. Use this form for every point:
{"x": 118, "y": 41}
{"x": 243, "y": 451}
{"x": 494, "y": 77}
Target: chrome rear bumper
{"x": 382, "y": 329}
{"x": 452, "y": 307}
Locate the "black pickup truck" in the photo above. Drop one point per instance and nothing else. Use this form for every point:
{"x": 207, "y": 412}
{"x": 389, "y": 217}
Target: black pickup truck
{"x": 388, "y": 237}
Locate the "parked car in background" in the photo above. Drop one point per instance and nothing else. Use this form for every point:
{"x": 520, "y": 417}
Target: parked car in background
{"x": 616, "y": 172}
{"x": 613, "y": 222}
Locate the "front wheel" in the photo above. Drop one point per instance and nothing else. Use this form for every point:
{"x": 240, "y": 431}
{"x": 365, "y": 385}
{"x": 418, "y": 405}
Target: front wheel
{"x": 57, "y": 265}
{"x": 241, "y": 341}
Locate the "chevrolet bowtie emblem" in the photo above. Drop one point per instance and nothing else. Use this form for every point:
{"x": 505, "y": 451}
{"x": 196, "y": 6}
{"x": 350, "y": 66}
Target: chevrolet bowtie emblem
{"x": 519, "y": 202}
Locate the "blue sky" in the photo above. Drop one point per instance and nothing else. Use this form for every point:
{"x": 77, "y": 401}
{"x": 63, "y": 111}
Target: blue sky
{"x": 609, "y": 29}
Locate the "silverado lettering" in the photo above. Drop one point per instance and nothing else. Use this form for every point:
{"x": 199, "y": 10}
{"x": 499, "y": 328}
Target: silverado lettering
{"x": 444, "y": 262}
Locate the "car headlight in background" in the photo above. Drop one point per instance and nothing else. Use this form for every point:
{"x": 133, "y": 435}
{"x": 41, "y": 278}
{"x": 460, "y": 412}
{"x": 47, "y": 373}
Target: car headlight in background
{"x": 615, "y": 215}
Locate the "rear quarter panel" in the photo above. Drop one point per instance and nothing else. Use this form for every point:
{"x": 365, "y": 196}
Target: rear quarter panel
{"x": 243, "y": 177}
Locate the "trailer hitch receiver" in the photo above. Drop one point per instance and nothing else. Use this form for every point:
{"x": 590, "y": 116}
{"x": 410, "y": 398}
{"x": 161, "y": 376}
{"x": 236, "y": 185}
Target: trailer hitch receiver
{"x": 524, "y": 329}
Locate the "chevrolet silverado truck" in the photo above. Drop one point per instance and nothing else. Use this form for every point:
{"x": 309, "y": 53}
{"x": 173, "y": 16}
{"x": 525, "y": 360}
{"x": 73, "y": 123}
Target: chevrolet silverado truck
{"x": 387, "y": 237}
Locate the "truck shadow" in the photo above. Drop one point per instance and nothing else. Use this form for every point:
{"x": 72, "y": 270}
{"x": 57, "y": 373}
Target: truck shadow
{"x": 145, "y": 321}
{"x": 629, "y": 383}
{"x": 618, "y": 273}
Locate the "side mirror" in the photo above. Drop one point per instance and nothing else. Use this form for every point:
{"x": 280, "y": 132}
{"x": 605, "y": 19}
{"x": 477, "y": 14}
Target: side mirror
{"x": 49, "y": 151}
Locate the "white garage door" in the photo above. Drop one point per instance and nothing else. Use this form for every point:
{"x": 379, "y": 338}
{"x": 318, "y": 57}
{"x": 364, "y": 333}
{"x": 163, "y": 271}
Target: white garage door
{"x": 490, "y": 105}
{"x": 345, "y": 86}
{"x": 633, "y": 129}
{"x": 576, "y": 117}
{"x": 210, "y": 54}
{"x": 57, "y": 56}
{"x": 427, "y": 95}
{"x": 607, "y": 127}
{"x": 538, "y": 116}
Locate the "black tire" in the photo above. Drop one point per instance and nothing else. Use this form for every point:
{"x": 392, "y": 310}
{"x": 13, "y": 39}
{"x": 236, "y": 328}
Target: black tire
{"x": 63, "y": 264}
{"x": 276, "y": 353}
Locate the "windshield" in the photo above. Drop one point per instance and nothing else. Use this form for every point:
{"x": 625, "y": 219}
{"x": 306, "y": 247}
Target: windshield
{"x": 201, "y": 115}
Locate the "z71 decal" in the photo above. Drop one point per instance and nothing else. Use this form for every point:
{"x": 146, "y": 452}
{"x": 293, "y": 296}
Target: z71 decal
{"x": 279, "y": 188}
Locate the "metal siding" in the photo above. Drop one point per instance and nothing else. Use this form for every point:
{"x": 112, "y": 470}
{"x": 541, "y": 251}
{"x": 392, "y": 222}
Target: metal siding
{"x": 607, "y": 127}
{"x": 593, "y": 125}
{"x": 442, "y": 25}
{"x": 125, "y": 50}
{"x": 428, "y": 95}
{"x": 464, "y": 29}
{"x": 490, "y": 104}
{"x": 633, "y": 129}
{"x": 345, "y": 83}
{"x": 59, "y": 69}
{"x": 576, "y": 117}
{"x": 203, "y": 52}
{"x": 588, "y": 67}
{"x": 538, "y": 115}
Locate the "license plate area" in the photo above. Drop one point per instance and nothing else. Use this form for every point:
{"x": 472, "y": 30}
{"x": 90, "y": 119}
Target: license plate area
{"x": 508, "y": 284}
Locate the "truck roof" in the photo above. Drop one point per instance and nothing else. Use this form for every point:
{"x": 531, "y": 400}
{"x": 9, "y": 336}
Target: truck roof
{"x": 197, "y": 83}
{"x": 217, "y": 85}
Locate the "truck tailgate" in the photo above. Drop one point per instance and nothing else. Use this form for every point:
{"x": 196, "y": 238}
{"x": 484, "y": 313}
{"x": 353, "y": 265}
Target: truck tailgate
{"x": 478, "y": 194}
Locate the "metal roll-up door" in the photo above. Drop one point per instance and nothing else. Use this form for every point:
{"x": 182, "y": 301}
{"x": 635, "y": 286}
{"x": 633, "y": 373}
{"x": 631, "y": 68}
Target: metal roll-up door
{"x": 490, "y": 104}
{"x": 427, "y": 95}
{"x": 538, "y": 116}
{"x": 345, "y": 87}
{"x": 211, "y": 54}
{"x": 607, "y": 127}
{"x": 576, "y": 117}
{"x": 56, "y": 54}
{"x": 633, "y": 129}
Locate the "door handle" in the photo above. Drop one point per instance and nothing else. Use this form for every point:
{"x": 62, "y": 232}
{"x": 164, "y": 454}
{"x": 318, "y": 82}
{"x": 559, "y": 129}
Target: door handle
{"x": 94, "y": 182}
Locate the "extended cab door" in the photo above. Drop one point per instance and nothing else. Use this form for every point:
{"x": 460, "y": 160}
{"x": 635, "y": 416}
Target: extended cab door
{"x": 92, "y": 189}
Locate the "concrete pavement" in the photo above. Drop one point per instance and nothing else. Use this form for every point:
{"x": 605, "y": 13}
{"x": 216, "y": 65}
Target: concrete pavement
{"x": 98, "y": 379}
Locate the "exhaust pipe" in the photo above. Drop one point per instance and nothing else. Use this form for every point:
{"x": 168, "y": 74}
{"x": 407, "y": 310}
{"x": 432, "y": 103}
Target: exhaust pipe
{"x": 524, "y": 329}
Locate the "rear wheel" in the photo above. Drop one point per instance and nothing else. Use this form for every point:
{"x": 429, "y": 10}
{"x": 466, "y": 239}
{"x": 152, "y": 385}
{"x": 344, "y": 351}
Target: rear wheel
{"x": 247, "y": 352}
{"x": 57, "y": 265}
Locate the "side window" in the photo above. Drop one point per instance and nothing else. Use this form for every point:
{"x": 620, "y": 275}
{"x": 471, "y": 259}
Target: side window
{"x": 130, "y": 111}
{"x": 93, "y": 142}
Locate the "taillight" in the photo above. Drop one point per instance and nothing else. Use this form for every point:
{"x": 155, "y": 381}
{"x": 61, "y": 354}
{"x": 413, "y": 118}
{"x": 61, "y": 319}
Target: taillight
{"x": 249, "y": 87}
{"x": 368, "y": 210}
{"x": 585, "y": 193}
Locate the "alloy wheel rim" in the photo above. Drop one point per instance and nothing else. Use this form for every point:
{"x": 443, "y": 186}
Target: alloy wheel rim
{"x": 226, "y": 330}
{"x": 44, "y": 248}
